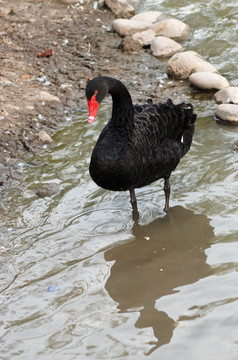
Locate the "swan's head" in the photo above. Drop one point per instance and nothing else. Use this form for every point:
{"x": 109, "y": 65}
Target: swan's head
{"x": 96, "y": 90}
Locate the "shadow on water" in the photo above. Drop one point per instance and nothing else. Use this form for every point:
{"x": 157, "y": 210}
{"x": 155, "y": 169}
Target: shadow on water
{"x": 166, "y": 254}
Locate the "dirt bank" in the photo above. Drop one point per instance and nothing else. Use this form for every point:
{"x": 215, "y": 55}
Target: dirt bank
{"x": 48, "y": 50}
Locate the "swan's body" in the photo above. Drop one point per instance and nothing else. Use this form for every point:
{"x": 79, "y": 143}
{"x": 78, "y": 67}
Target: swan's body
{"x": 140, "y": 143}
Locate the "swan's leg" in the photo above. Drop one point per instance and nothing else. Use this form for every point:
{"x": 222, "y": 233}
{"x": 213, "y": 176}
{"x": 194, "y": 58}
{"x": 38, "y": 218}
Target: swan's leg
{"x": 167, "y": 194}
{"x": 133, "y": 196}
{"x": 135, "y": 213}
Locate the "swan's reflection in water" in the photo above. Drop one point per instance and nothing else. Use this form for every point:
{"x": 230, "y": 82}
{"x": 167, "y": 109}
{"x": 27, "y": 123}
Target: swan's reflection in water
{"x": 166, "y": 254}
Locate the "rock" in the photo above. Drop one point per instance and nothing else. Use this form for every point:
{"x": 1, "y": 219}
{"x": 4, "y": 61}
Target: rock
{"x": 125, "y": 27}
{"x": 69, "y": 2}
{"x": 162, "y": 46}
{"x": 173, "y": 28}
{"x": 227, "y": 113}
{"x": 227, "y": 95}
{"x": 47, "y": 189}
{"x": 101, "y": 3}
{"x": 3, "y": 174}
{"x": 236, "y": 146}
{"x": 144, "y": 37}
{"x": 120, "y": 8}
{"x": 182, "y": 65}
{"x": 47, "y": 97}
{"x": 29, "y": 107}
{"x": 207, "y": 81}
{"x": 129, "y": 45}
{"x": 4, "y": 81}
{"x": 44, "y": 137}
{"x": 25, "y": 77}
{"x": 150, "y": 16}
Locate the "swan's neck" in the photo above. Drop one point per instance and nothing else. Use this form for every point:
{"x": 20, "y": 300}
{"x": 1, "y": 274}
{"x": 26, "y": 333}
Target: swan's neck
{"x": 122, "y": 108}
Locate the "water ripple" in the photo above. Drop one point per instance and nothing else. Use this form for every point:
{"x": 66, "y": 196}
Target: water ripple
{"x": 7, "y": 274}
{"x": 101, "y": 222}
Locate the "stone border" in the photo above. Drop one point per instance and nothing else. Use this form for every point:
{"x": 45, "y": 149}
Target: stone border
{"x": 161, "y": 33}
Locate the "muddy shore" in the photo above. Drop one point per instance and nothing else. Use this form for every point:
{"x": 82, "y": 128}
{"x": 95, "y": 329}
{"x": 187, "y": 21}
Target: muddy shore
{"x": 48, "y": 50}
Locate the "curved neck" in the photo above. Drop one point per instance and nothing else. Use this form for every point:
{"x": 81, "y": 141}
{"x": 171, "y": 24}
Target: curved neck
{"x": 122, "y": 109}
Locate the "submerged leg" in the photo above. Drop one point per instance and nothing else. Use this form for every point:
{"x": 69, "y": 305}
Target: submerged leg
{"x": 133, "y": 196}
{"x": 135, "y": 213}
{"x": 167, "y": 194}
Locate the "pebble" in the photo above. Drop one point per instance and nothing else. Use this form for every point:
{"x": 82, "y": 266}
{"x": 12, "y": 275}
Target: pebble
{"x": 69, "y": 2}
{"x": 183, "y": 64}
{"x": 162, "y": 46}
{"x": 173, "y": 28}
{"x": 207, "y": 81}
{"x": 3, "y": 174}
{"x": 227, "y": 113}
{"x": 236, "y": 146}
{"x": 125, "y": 27}
{"x": 47, "y": 189}
{"x": 227, "y": 95}
{"x": 129, "y": 45}
{"x": 29, "y": 107}
{"x": 101, "y": 3}
{"x": 44, "y": 137}
{"x": 47, "y": 97}
{"x": 120, "y": 8}
{"x": 4, "y": 81}
{"x": 144, "y": 37}
{"x": 3, "y": 249}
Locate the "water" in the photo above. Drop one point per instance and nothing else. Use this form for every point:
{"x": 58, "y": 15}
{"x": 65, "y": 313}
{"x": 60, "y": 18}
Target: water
{"x": 80, "y": 279}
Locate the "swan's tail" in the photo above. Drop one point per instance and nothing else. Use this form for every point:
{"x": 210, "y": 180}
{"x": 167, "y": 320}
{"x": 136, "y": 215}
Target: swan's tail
{"x": 189, "y": 120}
{"x": 190, "y": 117}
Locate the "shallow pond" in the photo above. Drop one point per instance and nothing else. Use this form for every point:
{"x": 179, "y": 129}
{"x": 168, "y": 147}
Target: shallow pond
{"x": 80, "y": 279}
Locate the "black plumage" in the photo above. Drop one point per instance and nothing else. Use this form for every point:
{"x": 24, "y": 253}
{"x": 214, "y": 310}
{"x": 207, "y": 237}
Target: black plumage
{"x": 140, "y": 143}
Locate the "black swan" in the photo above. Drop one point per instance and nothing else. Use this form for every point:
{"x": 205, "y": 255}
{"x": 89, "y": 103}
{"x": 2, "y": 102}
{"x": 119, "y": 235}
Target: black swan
{"x": 140, "y": 143}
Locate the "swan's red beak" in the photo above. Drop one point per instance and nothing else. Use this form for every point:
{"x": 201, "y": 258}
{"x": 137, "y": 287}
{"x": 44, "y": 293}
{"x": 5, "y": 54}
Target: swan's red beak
{"x": 92, "y": 108}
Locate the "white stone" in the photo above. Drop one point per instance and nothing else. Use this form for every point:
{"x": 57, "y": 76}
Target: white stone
{"x": 150, "y": 16}
{"x": 44, "y": 137}
{"x": 129, "y": 46}
{"x": 162, "y": 46}
{"x": 236, "y": 146}
{"x": 120, "y": 8}
{"x": 172, "y": 28}
{"x": 144, "y": 37}
{"x": 227, "y": 113}
{"x": 207, "y": 81}
{"x": 69, "y": 2}
{"x": 66, "y": 86}
{"x": 125, "y": 27}
{"x": 182, "y": 65}
{"x": 47, "y": 97}
{"x": 101, "y": 3}
{"x": 5, "y": 82}
{"x": 227, "y": 95}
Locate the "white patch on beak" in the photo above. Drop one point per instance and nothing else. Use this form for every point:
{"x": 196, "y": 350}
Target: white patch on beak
{"x": 91, "y": 119}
